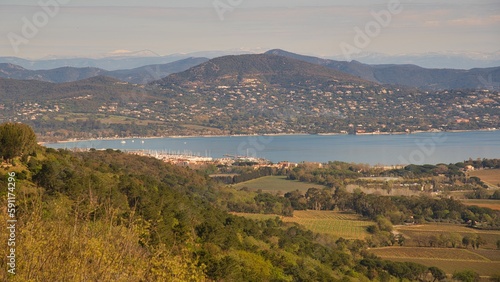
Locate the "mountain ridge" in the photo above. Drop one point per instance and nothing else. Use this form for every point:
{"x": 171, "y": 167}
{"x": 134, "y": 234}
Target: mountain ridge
{"x": 408, "y": 74}
{"x": 140, "y": 75}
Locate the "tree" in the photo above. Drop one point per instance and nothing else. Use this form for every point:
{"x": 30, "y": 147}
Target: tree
{"x": 466, "y": 241}
{"x": 384, "y": 224}
{"x": 455, "y": 239}
{"x": 466, "y": 276}
{"x": 16, "y": 140}
{"x": 400, "y": 239}
{"x": 437, "y": 273}
{"x": 416, "y": 271}
{"x": 473, "y": 240}
{"x": 318, "y": 199}
{"x": 479, "y": 241}
{"x": 297, "y": 200}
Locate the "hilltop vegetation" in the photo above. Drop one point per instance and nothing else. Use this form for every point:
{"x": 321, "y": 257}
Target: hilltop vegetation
{"x": 109, "y": 216}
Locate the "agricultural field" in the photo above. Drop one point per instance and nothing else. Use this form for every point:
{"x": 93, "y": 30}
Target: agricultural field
{"x": 489, "y": 176}
{"x": 273, "y": 184}
{"x": 346, "y": 225}
{"x": 485, "y": 262}
{"x": 493, "y": 255}
{"x": 425, "y": 231}
{"x": 492, "y": 204}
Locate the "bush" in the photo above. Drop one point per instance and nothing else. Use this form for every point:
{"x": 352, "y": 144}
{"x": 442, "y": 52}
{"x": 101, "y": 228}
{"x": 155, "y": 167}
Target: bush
{"x": 466, "y": 276}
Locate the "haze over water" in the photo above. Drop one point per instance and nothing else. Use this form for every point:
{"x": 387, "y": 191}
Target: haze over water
{"x": 420, "y": 148}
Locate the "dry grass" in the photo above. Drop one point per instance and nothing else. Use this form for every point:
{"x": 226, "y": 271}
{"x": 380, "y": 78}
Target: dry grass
{"x": 444, "y": 228}
{"x": 484, "y": 262}
{"x": 492, "y": 204}
{"x": 427, "y": 230}
{"x": 429, "y": 253}
{"x": 490, "y": 176}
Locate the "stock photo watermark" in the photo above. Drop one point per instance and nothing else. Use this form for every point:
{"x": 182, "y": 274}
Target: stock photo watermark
{"x": 364, "y": 36}
{"x": 11, "y": 222}
{"x": 224, "y": 6}
{"x": 253, "y": 145}
{"x": 425, "y": 149}
{"x": 488, "y": 83}
{"x": 30, "y": 27}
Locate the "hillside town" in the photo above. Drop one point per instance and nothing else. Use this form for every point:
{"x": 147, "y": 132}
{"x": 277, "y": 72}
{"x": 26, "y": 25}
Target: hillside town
{"x": 251, "y": 107}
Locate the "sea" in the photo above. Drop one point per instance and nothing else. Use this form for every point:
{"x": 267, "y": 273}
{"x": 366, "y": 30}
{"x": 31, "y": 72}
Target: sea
{"x": 397, "y": 149}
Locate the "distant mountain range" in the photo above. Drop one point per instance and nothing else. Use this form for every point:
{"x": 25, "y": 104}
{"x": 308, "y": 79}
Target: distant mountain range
{"x": 142, "y": 75}
{"x": 150, "y": 73}
{"x": 237, "y": 67}
{"x": 409, "y": 75}
{"x": 114, "y": 62}
{"x": 433, "y": 60}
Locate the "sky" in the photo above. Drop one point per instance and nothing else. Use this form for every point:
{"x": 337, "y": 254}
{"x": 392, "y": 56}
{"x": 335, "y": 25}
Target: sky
{"x": 37, "y": 29}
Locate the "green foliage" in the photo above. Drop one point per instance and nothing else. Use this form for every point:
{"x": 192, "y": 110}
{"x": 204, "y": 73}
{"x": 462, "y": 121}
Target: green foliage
{"x": 466, "y": 276}
{"x": 16, "y": 140}
{"x": 297, "y": 200}
{"x": 384, "y": 224}
{"x": 409, "y": 270}
{"x": 110, "y": 216}
{"x": 437, "y": 273}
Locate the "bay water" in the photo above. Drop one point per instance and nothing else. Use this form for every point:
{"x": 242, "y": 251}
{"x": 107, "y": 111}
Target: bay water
{"x": 416, "y": 148}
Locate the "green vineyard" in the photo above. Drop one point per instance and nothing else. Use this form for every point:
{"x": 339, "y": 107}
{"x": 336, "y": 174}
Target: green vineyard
{"x": 348, "y": 226}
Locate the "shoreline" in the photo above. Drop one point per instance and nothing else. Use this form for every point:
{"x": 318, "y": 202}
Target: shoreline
{"x": 257, "y": 135}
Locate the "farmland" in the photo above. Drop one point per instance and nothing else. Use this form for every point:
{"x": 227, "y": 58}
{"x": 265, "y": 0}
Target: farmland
{"x": 489, "y": 176}
{"x": 273, "y": 184}
{"x": 423, "y": 233}
{"x": 492, "y": 204}
{"x": 484, "y": 262}
{"x": 346, "y": 225}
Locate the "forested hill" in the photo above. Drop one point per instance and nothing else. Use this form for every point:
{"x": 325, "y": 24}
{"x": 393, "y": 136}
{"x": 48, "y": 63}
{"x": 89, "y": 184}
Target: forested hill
{"x": 262, "y": 68}
{"x": 101, "y": 89}
{"x": 111, "y": 216}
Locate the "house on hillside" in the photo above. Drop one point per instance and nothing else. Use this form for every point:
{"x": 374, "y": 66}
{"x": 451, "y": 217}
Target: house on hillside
{"x": 468, "y": 168}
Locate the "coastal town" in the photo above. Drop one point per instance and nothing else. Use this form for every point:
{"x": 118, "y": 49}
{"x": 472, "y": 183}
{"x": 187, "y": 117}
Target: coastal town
{"x": 251, "y": 107}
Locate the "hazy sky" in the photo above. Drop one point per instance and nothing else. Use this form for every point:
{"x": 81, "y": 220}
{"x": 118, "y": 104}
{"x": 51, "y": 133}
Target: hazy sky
{"x": 319, "y": 27}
